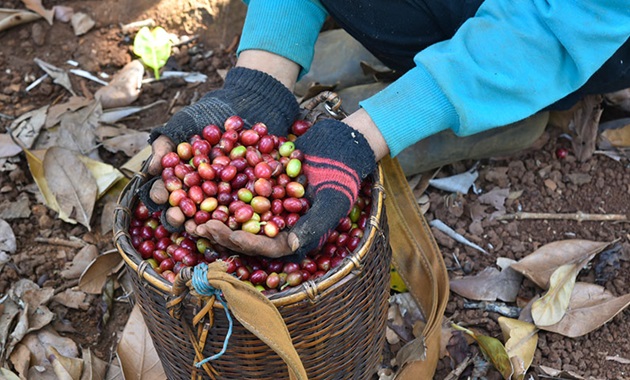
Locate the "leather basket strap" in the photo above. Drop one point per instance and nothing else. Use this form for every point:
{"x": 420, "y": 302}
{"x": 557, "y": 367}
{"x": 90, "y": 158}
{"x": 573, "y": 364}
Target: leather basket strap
{"x": 419, "y": 262}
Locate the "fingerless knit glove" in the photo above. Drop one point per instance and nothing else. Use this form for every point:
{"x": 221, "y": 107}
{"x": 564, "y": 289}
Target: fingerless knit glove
{"x": 251, "y": 94}
{"x": 336, "y": 160}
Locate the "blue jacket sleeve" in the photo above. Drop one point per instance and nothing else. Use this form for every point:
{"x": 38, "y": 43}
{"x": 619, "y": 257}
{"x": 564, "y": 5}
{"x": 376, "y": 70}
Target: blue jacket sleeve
{"x": 508, "y": 62}
{"x": 288, "y": 28}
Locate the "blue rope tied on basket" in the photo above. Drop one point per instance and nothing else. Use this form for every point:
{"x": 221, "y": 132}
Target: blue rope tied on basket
{"x": 201, "y": 285}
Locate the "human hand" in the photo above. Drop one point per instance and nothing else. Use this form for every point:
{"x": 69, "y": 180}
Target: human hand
{"x": 336, "y": 160}
{"x": 253, "y": 95}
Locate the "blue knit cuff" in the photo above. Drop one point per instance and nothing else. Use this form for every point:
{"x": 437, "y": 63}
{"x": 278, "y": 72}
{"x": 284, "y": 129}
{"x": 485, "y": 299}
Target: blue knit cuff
{"x": 410, "y": 109}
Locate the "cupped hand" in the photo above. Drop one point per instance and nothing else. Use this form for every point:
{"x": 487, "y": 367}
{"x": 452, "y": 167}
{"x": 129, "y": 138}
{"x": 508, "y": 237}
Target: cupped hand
{"x": 241, "y": 241}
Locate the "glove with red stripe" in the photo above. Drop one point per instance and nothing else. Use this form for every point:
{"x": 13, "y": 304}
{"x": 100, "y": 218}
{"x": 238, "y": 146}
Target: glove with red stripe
{"x": 336, "y": 160}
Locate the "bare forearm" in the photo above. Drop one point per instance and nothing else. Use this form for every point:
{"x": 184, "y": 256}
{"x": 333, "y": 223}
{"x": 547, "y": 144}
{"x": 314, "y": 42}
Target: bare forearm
{"x": 283, "y": 69}
{"x": 361, "y": 121}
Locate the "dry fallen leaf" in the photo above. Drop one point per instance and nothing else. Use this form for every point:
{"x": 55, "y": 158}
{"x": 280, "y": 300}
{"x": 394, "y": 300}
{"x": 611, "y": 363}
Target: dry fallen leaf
{"x": 493, "y": 350}
{"x": 106, "y": 175}
{"x": 412, "y": 351}
{"x": 7, "y": 147}
{"x": 81, "y": 260}
{"x": 72, "y": 299}
{"x": 57, "y": 111}
{"x": 25, "y": 129}
{"x": 489, "y": 285}
{"x": 60, "y": 76}
{"x": 71, "y": 183}
{"x": 138, "y": 357}
{"x": 65, "y": 368}
{"x": 93, "y": 367}
{"x": 521, "y": 339}
{"x": 8, "y": 243}
{"x": 550, "y": 308}
{"x": 37, "y": 7}
{"x": 130, "y": 143}
{"x": 619, "y": 137}
{"x": 558, "y": 374}
{"x": 14, "y": 17}
{"x": 590, "y": 307}
{"x": 95, "y": 275}
{"x": 539, "y": 265}
{"x": 5, "y": 373}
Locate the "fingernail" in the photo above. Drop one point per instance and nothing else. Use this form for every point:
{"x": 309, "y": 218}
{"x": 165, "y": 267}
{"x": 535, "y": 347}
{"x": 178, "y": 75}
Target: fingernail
{"x": 294, "y": 243}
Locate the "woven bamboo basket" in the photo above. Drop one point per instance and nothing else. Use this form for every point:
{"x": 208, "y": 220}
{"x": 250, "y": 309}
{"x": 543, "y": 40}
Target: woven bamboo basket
{"x": 337, "y": 322}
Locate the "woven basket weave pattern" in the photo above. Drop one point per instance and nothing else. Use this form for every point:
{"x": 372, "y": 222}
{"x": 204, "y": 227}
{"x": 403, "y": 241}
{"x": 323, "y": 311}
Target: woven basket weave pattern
{"x": 338, "y": 335}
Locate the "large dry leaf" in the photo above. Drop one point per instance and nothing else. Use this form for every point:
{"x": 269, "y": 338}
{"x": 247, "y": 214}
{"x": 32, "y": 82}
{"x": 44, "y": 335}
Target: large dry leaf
{"x": 77, "y": 129}
{"x": 550, "y": 308}
{"x": 115, "y": 114}
{"x": 590, "y": 307}
{"x": 36, "y": 167}
{"x": 95, "y": 275}
{"x": 65, "y": 368}
{"x": 37, "y": 7}
{"x": 81, "y": 261}
{"x": 539, "y": 265}
{"x": 521, "y": 339}
{"x": 13, "y": 17}
{"x": 114, "y": 372}
{"x": 493, "y": 350}
{"x": 138, "y": 357}
{"x": 106, "y": 175}
{"x": 93, "y": 367}
{"x": 72, "y": 184}
{"x": 489, "y": 285}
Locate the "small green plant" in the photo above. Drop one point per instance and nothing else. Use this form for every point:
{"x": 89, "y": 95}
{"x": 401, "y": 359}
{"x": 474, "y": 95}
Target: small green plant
{"x": 153, "y": 47}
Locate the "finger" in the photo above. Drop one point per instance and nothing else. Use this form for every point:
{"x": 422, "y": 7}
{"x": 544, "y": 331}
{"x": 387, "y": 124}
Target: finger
{"x": 190, "y": 226}
{"x": 175, "y": 217}
{"x": 158, "y": 193}
{"x": 261, "y": 245}
{"x": 218, "y": 232}
{"x": 160, "y": 147}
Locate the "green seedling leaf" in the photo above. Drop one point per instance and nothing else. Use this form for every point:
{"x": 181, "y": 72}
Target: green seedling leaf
{"x": 493, "y": 350}
{"x": 153, "y": 47}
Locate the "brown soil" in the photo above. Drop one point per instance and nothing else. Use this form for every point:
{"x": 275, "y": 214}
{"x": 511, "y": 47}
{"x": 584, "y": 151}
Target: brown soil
{"x": 106, "y": 49}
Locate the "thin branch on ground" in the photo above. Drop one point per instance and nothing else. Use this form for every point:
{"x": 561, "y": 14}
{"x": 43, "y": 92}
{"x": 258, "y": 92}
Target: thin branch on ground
{"x": 64, "y": 242}
{"x": 577, "y": 216}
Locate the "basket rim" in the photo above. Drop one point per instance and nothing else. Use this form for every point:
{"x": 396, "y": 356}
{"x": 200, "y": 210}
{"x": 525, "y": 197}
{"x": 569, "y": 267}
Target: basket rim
{"x": 311, "y": 289}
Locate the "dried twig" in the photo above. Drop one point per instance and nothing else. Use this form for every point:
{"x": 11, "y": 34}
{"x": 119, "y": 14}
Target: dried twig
{"x": 456, "y": 373}
{"x": 577, "y": 216}
{"x": 58, "y": 241}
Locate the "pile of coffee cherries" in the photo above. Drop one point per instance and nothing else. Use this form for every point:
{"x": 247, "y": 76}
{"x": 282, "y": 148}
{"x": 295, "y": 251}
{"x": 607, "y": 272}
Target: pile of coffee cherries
{"x": 252, "y": 181}
{"x": 247, "y": 178}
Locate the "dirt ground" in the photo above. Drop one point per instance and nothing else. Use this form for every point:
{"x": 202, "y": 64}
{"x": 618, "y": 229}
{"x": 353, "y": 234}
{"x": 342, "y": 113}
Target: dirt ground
{"x": 548, "y": 184}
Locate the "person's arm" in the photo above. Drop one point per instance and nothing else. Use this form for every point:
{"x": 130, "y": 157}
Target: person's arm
{"x": 510, "y": 60}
